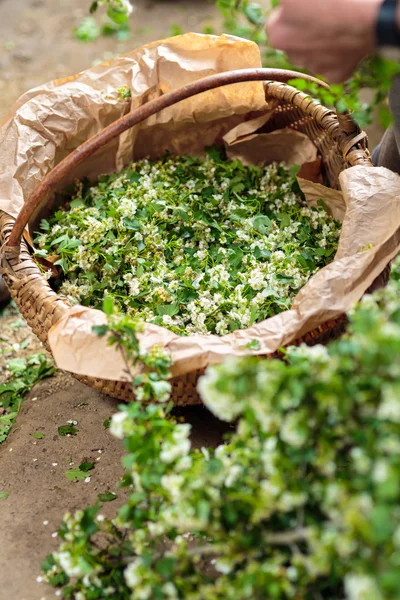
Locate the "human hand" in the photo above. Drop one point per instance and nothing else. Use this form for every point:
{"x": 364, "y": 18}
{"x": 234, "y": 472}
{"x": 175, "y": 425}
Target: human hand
{"x": 328, "y": 37}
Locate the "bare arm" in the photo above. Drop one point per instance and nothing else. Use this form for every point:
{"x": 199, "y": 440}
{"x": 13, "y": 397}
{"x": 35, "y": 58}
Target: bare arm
{"x": 329, "y": 37}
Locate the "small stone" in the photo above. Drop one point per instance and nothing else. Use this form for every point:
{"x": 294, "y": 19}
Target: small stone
{"x": 22, "y": 56}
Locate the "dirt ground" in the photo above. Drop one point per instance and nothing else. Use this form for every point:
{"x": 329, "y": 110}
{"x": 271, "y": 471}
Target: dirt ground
{"x": 36, "y": 45}
{"x": 33, "y": 471}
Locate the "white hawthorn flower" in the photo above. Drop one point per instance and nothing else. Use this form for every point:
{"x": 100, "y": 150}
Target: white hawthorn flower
{"x": 179, "y": 446}
{"x": 119, "y": 425}
{"x": 361, "y": 587}
{"x": 132, "y": 574}
{"x": 69, "y": 564}
{"x": 292, "y": 431}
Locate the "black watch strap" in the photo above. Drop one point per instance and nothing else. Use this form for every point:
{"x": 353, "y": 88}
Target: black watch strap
{"x": 387, "y": 32}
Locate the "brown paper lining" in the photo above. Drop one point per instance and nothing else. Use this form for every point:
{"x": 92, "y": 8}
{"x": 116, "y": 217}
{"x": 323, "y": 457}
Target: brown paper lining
{"x": 47, "y": 123}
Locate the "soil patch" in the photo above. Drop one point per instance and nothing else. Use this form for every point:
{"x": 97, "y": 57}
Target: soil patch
{"x": 32, "y": 471}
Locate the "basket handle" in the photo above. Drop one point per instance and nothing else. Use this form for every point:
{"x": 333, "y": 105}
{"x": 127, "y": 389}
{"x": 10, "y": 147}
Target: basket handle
{"x": 41, "y": 193}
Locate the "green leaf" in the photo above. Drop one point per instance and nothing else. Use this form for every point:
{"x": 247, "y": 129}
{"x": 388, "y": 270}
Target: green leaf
{"x": 44, "y": 225}
{"x": 8, "y": 418}
{"x": 67, "y": 429}
{"x": 300, "y": 84}
{"x": 107, "y": 423}
{"x": 76, "y": 203}
{"x": 59, "y": 579}
{"x": 88, "y": 523}
{"x": 75, "y": 474}
{"x": 254, "y": 13}
{"x": 63, "y": 264}
{"x": 38, "y": 435}
{"x": 253, "y": 345}
{"x": 382, "y": 524}
{"x": 167, "y": 309}
{"x": 175, "y": 29}
{"x": 107, "y": 497}
{"x": 100, "y": 330}
{"x": 165, "y": 567}
{"x": 235, "y": 256}
{"x": 48, "y": 563}
{"x": 86, "y": 466}
{"x": 108, "y": 305}
{"x": 132, "y": 224}
{"x": 284, "y": 220}
{"x": 17, "y": 365}
{"x": 87, "y": 30}
{"x": 261, "y": 253}
{"x": 4, "y": 495}
{"x": 385, "y": 116}
{"x": 118, "y": 16}
{"x": 254, "y": 313}
{"x": 124, "y": 93}
{"x": 261, "y": 223}
{"x": 214, "y": 153}
{"x": 341, "y": 106}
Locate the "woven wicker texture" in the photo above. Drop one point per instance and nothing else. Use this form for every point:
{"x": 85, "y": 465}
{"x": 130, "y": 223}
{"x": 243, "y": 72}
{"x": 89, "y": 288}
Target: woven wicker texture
{"x": 340, "y": 144}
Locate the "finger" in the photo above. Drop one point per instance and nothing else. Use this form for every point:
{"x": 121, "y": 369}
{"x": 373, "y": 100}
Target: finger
{"x": 300, "y": 61}
{"x": 337, "y": 71}
{"x": 334, "y": 72}
{"x": 336, "y": 76}
{"x": 273, "y": 23}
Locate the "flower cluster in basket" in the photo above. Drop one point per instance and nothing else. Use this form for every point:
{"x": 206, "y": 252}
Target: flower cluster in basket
{"x": 302, "y": 501}
{"x": 197, "y": 245}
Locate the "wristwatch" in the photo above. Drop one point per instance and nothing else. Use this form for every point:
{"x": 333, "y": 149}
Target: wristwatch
{"x": 387, "y": 32}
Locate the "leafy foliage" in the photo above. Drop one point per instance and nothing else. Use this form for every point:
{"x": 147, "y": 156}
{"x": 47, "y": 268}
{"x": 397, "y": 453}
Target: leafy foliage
{"x": 107, "y": 497}
{"x": 150, "y": 368}
{"x": 198, "y": 245}
{"x": 87, "y": 30}
{"x": 301, "y": 502}
{"x": 81, "y": 472}
{"x": 67, "y": 429}
{"x": 23, "y": 375}
{"x": 115, "y": 23}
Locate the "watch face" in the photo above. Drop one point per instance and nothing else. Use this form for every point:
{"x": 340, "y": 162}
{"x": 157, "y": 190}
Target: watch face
{"x": 387, "y": 33}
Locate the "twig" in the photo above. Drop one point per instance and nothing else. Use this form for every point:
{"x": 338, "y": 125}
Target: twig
{"x": 286, "y": 538}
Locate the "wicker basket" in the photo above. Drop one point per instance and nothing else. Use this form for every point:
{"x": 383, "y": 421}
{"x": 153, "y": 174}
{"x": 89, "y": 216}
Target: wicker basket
{"x": 339, "y": 142}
